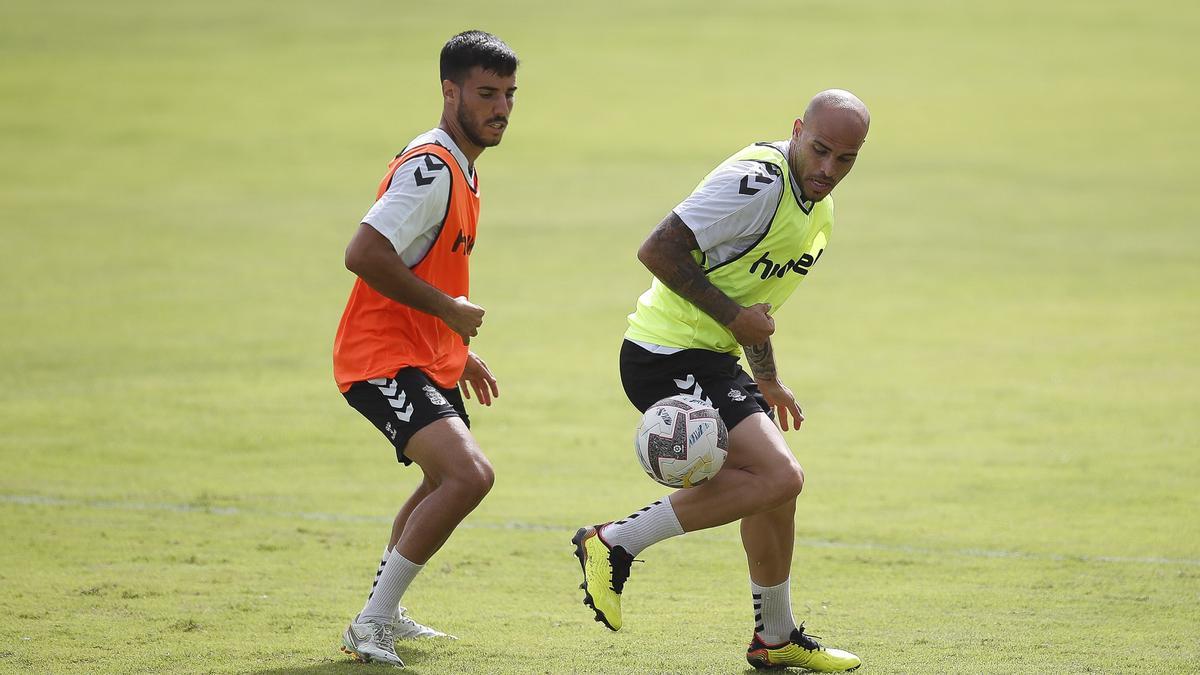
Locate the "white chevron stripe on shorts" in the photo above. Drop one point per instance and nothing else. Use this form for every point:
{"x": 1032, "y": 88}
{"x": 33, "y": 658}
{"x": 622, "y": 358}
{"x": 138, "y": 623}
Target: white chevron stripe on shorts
{"x": 389, "y": 388}
{"x": 685, "y": 386}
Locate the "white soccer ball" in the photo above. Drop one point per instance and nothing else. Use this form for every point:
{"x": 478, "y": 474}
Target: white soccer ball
{"x": 681, "y": 441}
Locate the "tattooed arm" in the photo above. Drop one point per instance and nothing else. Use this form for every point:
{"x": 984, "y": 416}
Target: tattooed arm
{"x": 667, "y": 253}
{"x": 781, "y": 399}
{"x": 762, "y": 360}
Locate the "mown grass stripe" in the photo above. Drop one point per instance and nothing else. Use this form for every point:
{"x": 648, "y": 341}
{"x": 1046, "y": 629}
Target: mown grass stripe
{"x": 121, "y": 505}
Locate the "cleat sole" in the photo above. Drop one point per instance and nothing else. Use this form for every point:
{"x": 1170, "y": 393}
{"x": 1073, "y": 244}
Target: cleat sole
{"x": 760, "y": 660}
{"x": 759, "y": 665}
{"x": 354, "y": 655}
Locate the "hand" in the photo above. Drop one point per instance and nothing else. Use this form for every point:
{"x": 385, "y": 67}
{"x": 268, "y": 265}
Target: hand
{"x": 463, "y": 317}
{"x": 782, "y": 401}
{"x": 480, "y": 378}
{"x": 752, "y": 325}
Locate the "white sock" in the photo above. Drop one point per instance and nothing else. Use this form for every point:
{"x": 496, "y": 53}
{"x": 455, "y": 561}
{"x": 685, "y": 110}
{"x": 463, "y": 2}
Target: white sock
{"x": 773, "y": 621}
{"x": 382, "y": 563}
{"x": 397, "y": 574}
{"x": 648, "y": 526}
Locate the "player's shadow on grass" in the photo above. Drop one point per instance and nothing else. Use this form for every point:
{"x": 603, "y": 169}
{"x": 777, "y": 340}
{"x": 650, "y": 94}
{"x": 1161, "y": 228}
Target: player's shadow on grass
{"x": 412, "y": 665}
{"x": 349, "y": 667}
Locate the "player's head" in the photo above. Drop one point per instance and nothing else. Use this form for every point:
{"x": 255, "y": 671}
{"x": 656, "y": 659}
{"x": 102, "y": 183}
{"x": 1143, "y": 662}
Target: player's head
{"x": 826, "y": 140}
{"x": 479, "y": 80}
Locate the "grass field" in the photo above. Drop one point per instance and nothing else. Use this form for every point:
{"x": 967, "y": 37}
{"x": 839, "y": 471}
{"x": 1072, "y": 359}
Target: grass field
{"x": 999, "y": 356}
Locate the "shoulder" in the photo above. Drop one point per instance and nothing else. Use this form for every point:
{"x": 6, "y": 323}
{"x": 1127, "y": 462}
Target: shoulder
{"x": 431, "y": 137}
{"x": 750, "y": 170}
{"x": 420, "y": 174}
{"x": 441, "y": 143}
{"x": 736, "y": 200}
{"x": 738, "y": 183}
{"x": 758, "y": 172}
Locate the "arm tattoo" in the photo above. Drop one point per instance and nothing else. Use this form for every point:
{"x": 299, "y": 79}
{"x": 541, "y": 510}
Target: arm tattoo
{"x": 762, "y": 360}
{"x": 668, "y": 255}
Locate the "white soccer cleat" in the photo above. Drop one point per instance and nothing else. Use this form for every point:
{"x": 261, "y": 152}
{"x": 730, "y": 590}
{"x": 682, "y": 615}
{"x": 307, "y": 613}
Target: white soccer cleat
{"x": 405, "y": 628}
{"x": 368, "y": 641}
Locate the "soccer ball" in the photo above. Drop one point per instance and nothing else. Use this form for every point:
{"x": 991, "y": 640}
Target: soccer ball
{"x": 681, "y": 441}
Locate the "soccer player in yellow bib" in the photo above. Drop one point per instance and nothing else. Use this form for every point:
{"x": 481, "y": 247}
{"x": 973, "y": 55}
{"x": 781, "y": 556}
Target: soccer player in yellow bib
{"x": 724, "y": 260}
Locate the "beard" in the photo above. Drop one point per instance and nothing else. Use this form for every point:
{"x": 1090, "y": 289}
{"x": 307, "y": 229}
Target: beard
{"x": 471, "y": 131}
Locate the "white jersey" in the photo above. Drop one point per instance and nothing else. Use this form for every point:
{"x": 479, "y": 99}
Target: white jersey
{"x": 730, "y": 211}
{"x": 411, "y": 213}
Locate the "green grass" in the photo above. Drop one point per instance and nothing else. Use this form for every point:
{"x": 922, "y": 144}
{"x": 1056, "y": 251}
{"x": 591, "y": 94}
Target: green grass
{"x": 999, "y": 355}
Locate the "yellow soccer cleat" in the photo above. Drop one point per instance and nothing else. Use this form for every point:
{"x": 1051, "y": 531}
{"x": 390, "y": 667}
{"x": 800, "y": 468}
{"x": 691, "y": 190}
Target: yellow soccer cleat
{"x": 800, "y": 651}
{"x": 604, "y": 573}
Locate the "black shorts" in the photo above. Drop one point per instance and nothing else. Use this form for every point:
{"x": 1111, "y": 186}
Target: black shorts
{"x": 401, "y": 406}
{"x": 718, "y": 378}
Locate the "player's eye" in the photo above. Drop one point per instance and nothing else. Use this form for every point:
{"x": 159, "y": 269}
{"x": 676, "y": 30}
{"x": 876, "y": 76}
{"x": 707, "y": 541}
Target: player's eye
{"x": 820, "y": 150}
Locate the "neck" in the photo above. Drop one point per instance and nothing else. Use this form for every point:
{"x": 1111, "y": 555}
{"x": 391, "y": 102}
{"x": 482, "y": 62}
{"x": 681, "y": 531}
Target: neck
{"x": 791, "y": 156}
{"x": 469, "y": 149}
{"x": 796, "y": 180}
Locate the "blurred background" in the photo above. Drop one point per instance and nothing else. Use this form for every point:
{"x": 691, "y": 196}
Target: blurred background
{"x": 998, "y": 356}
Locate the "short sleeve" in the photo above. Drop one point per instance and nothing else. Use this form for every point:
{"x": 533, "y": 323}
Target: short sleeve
{"x": 736, "y": 201}
{"x": 413, "y": 206}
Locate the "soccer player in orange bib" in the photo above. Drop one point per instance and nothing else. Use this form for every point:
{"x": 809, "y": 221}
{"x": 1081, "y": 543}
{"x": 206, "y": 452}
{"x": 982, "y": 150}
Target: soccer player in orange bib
{"x": 401, "y": 352}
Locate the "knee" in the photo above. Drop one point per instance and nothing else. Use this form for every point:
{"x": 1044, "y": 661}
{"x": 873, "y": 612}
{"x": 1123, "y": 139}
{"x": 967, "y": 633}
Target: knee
{"x": 476, "y": 480}
{"x": 795, "y": 480}
{"x": 486, "y": 477}
{"x": 787, "y": 482}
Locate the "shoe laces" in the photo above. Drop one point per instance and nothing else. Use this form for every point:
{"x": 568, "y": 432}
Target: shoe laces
{"x": 403, "y": 618}
{"x": 384, "y": 635}
{"x": 621, "y": 561}
{"x": 805, "y": 640}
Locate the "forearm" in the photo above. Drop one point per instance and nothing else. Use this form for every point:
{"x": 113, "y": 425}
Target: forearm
{"x": 762, "y": 361}
{"x": 693, "y": 286}
{"x": 395, "y": 281}
{"x": 370, "y": 256}
{"x": 667, "y": 253}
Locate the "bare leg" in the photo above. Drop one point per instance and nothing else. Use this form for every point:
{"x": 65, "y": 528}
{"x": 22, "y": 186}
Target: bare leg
{"x": 758, "y": 485}
{"x": 460, "y": 477}
{"x": 760, "y": 475}
{"x": 769, "y": 538}
{"x": 398, "y": 524}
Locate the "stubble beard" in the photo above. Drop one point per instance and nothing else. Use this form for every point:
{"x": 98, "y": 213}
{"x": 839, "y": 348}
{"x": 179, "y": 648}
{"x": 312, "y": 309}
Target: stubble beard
{"x": 468, "y": 129}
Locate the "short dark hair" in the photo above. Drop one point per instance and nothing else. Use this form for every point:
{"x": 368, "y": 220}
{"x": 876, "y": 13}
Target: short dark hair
{"x": 476, "y": 48}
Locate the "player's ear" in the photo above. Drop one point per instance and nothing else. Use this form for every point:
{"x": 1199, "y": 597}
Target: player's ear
{"x": 449, "y": 91}
{"x": 797, "y": 127}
